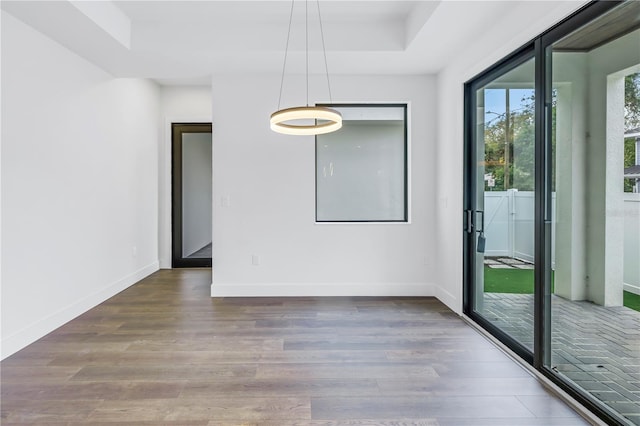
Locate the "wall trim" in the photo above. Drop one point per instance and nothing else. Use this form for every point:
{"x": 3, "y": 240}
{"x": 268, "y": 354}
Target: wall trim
{"x": 320, "y": 289}
{"x": 32, "y": 332}
{"x": 632, "y": 288}
{"x": 452, "y": 302}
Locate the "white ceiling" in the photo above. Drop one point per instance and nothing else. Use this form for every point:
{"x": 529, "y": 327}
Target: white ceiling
{"x": 184, "y": 42}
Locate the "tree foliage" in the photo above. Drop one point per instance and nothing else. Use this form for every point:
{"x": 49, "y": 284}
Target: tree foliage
{"x": 632, "y": 101}
{"x": 521, "y": 144}
{"x": 629, "y": 160}
{"x": 521, "y": 139}
{"x": 631, "y": 121}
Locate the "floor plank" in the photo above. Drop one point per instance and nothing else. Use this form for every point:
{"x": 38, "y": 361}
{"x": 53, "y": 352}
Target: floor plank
{"x": 163, "y": 352}
{"x": 398, "y": 407}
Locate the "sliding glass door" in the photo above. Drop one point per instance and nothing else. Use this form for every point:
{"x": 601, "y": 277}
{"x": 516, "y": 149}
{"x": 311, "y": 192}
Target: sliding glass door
{"x": 552, "y": 206}
{"x": 594, "y": 75}
{"x": 500, "y": 220}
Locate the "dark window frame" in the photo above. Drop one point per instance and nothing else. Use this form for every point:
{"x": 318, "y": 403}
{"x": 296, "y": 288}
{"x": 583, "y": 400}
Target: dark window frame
{"x": 405, "y": 107}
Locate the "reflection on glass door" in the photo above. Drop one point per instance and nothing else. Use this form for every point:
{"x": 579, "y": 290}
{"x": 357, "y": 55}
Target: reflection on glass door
{"x": 552, "y": 199}
{"x": 502, "y": 216}
{"x": 595, "y": 306}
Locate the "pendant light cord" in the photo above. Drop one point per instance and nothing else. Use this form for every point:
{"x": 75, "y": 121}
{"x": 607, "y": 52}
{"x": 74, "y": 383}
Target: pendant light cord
{"x": 324, "y": 51}
{"x": 286, "y": 50}
{"x": 306, "y": 44}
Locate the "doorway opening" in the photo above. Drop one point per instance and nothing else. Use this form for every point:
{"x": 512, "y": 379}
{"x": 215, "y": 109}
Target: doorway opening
{"x": 192, "y": 182}
{"x": 551, "y": 220}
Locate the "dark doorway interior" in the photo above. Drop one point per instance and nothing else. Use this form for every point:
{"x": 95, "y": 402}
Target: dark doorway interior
{"x": 191, "y": 195}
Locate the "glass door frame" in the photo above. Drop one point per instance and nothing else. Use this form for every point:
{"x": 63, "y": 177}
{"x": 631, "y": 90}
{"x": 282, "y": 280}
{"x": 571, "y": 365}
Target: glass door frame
{"x": 471, "y": 220}
{"x": 538, "y": 48}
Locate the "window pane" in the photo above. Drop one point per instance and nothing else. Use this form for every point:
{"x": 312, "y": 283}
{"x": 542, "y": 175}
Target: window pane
{"x": 595, "y": 318}
{"x": 361, "y": 169}
{"x": 505, "y": 137}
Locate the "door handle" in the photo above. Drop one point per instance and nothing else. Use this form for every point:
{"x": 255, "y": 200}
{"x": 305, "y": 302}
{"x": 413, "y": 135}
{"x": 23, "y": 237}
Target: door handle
{"x": 481, "y": 228}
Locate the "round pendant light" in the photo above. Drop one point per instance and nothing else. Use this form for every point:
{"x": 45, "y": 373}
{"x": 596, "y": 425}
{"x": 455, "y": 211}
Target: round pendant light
{"x": 305, "y": 120}
{"x": 294, "y": 121}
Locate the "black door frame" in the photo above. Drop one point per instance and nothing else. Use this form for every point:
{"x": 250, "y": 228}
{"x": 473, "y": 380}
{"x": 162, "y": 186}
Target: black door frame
{"x": 177, "y": 130}
{"x": 537, "y": 48}
{"x": 509, "y": 63}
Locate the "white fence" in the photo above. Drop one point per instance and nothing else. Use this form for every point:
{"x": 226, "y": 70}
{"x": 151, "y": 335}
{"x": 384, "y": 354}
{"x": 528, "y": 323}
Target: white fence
{"x": 632, "y": 242}
{"x": 509, "y": 223}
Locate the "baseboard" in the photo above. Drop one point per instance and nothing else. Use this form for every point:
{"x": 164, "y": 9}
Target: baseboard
{"x": 632, "y": 288}
{"x": 497, "y": 253}
{"x": 523, "y": 256}
{"x": 29, "y": 334}
{"x": 449, "y": 299}
{"x": 320, "y": 289}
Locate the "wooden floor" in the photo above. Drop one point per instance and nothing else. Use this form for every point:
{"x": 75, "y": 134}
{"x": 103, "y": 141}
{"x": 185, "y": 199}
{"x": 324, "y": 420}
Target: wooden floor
{"x": 164, "y": 353}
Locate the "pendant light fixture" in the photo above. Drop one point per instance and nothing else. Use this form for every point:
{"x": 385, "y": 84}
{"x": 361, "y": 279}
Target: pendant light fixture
{"x": 295, "y": 121}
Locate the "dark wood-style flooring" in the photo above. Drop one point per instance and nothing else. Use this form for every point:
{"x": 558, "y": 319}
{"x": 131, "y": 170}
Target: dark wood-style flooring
{"x": 164, "y": 353}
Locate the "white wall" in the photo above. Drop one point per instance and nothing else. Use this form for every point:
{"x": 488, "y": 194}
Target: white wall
{"x": 79, "y": 184}
{"x": 178, "y": 104}
{"x": 196, "y": 191}
{"x": 570, "y": 77}
{"x": 264, "y": 198}
{"x": 491, "y": 46}
{"x": 607, "y": 67}
{"x": 590, "y": 158}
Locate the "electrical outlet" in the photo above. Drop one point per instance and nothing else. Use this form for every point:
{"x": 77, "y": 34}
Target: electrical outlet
{"x": 255, "y": 260}
{"x": 134, "y": 251}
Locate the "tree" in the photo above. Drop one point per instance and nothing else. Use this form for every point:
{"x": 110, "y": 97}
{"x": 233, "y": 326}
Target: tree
{"x": 524, "y": 145}
{"x": 521, "y": 145}
{"x": 629, "y": 160}
{"x": 632, "y": 101}
{"x": 521, "y": 139}
{"x": 631, "y": 121}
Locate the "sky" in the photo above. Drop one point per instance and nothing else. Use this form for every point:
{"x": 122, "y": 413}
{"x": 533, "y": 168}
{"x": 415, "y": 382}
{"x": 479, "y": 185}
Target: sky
{"x": 494, "y": 101}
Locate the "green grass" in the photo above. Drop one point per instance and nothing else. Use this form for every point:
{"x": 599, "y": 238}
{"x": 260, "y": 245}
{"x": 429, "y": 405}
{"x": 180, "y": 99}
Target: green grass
{"x": 631, "y": 300}
{"x": 520, "y": 281}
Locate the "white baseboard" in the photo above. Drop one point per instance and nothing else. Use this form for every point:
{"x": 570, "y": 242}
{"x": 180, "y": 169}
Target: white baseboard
{"x": 32, "y": 332}
{"x": 320, "y": 289}
{"x": 497, "y": 253}
{"x": 523, "y": 256}
{"x": 632, "y": 288}
{"x": 452, "y": 302}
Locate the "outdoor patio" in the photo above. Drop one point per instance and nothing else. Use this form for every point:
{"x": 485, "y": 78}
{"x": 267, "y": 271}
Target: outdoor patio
{"x": 596, "y": 347}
